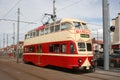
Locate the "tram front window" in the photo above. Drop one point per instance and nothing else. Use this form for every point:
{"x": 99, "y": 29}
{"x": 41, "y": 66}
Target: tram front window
{"x": 66, "y": 25}
{"x": 89, "y": 47}
{"x": 77, "y": 25}
{"x": 84, "y": 26}
{"x": 81, "y": 46}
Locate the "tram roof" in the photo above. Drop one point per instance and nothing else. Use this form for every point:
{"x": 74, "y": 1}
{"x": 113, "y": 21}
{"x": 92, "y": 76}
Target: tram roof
{"x": 71, "y": 19}
{"x": 59, "y": 21}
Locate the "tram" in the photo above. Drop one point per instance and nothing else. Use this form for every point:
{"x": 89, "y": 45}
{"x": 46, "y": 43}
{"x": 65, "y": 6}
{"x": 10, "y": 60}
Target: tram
{"x": 65, "y": 43}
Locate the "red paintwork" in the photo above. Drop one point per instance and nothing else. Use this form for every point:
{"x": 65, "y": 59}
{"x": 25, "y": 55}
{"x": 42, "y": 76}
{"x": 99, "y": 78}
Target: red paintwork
{"x": 61, "y": 61}
{"x": 40, "y": 28}
{"x": 65, "y": 60}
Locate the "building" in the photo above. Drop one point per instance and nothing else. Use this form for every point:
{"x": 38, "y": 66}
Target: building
{"x": 11, "y": 51}
{"x": 116, "y": 34}
{"x": 97, "y": 48}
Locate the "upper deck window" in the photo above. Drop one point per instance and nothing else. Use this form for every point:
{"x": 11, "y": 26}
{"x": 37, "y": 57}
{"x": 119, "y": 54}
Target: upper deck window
{"x": 34, "y": 34}
{"x": 26, "y": 36}
{"x": 51, "y": 29}
{"x": 46, "y": 30}
{"x": 77, "y": 25}
{"x": 42, "y": 32}
{"x": 57, "y": 28}
{"x": 66, "y": 25}
{"x": 31, "y": 35}
{"x": 37, "y": 33}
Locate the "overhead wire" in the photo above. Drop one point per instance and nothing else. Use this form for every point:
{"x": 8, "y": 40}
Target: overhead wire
{"x": 12, "y": 8}
{"x": 69, "y": 5}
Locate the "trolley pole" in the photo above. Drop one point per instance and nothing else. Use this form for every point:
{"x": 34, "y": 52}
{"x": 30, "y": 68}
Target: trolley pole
{"x": 106, "y": 25}
{"x": 18, "y": 35}
{"x": 54, "y": 11}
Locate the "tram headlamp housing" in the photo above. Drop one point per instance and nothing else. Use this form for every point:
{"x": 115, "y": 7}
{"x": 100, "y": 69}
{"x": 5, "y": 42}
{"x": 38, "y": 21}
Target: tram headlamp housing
{"x": 92, "y": 60}
{"x": 79, "y": 60}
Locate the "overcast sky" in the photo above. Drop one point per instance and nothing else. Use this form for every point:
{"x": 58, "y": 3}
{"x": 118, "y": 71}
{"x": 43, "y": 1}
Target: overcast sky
{"x": 33, "y": 11}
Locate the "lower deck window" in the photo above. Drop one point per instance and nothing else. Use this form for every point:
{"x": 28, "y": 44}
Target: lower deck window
{"x": 57, "y": 48}
{"x": 29, "y": 49}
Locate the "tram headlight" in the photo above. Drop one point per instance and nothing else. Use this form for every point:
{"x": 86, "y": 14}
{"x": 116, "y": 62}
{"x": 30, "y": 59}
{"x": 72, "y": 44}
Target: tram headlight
{"x": 92, "y": 60}
{"x": 79, "y": 60}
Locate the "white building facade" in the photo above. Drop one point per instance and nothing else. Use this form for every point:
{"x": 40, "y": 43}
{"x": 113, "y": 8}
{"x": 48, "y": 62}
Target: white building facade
{"x": 116, "y": 34}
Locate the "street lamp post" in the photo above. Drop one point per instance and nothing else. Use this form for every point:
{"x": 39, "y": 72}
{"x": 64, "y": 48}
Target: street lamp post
{"x": 106, "y": 33}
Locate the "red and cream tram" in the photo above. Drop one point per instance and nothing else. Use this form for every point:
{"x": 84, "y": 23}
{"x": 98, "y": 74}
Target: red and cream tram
{"x": 65, "y": 43}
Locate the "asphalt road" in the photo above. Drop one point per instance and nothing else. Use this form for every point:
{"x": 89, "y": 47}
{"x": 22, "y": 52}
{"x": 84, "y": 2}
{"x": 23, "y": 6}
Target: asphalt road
{"x": 10, "y": 70}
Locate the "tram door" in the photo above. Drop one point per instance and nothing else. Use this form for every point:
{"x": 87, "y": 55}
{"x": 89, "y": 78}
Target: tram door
{"x": 39, "y": 53}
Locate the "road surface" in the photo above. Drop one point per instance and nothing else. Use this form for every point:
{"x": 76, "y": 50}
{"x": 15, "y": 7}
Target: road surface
{"x": 10, "y": 70}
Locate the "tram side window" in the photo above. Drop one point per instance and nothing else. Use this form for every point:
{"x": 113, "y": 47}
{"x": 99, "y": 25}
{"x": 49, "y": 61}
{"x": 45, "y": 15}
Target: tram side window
{"x": 30, "y": 35}
{"x": 51, "y": 29}
{"x": 66, "y": 26}
{"x": 37, "y": 33}
{"x": 26, "y": 49}
{"x": 57, "y": 28}
{"x": 51, "y": 48}
{"x": 42, "y": 32}
{"x": 26, "y": 36}
{"x": 46, "y": 30}
{"x": 72, "y": 48}
{"x": 33, "y": 34}
{"x": 57, "y": 48}
{"x": 89, "y": 47}
{"x": 29, "y": 49}
{"x": 32, "y": 49}
{"x": 63, "y": 48}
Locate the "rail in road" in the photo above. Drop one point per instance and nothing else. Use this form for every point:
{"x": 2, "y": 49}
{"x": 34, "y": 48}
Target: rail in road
{"x": 21, "y": 71}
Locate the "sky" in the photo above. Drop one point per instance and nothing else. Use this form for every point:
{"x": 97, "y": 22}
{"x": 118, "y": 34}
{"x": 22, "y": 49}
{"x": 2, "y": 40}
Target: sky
{"x": 34, "y": 10}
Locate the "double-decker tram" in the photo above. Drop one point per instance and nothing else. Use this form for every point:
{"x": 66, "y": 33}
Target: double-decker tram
{"x": 65, "y": 43}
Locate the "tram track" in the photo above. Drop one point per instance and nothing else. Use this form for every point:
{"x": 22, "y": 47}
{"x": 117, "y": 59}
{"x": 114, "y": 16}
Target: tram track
{"x": 18, "y": 71}
{"x": 101, "y": 76}
{"x": 8, "y": 74}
